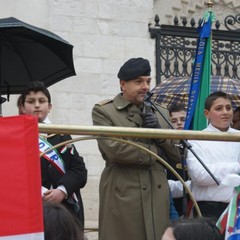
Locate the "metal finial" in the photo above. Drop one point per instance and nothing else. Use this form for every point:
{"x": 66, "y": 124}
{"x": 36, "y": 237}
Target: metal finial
{"x": 209, "y": 3}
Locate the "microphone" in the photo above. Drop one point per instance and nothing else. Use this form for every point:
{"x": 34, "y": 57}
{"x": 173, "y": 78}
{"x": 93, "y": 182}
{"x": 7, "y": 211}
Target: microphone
{"x": 148, "y": 96}
{"x": 147, "y": 106}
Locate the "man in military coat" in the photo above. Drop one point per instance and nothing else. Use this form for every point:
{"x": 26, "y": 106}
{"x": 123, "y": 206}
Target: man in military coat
{"x": 134, "y": 192}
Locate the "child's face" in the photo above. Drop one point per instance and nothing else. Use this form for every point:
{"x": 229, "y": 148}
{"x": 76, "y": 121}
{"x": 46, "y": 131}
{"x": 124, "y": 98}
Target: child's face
{"x": 178, "y": 119}
{"x": 220, "y": 114}
{"x": 36, "y": 104}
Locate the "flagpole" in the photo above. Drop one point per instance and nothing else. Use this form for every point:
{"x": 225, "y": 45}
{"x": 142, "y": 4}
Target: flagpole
{"x": 199, "y": 120}
{"x": 200, "y": 81}
{"x": 210, "y": 4}
{"x": 201, "y": 73}
{"x": 184, "y": 143}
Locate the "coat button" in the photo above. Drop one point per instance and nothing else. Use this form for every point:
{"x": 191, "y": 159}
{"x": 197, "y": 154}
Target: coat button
{"x": 131, "y": 114}
{"x": 144, "y": 187}
{"x": 140, "y": 161}
{"x": 159, "y": 186}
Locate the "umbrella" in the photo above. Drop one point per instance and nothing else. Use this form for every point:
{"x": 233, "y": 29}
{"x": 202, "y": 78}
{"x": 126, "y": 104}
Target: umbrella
{"x": 175, "y": 90}
{"x": 28, "y": 53}
{"x": 2, "y": 100}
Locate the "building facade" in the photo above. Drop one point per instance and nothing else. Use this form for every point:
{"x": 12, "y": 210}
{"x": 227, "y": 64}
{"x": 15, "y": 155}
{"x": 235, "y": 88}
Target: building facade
{"x": 104, "y": 33}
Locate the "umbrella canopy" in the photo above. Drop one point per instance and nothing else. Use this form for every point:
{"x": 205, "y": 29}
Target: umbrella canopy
{"x": 2, "y": 100}
{"x": 176, "y": 90}
{"x": 28, "y": 53}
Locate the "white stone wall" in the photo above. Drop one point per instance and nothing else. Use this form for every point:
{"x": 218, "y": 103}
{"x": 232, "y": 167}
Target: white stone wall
{"x": 104, "y": 33}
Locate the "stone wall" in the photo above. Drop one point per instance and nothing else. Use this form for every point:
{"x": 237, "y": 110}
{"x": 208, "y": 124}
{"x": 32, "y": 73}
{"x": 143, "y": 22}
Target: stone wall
{"x": 104, "y": 33}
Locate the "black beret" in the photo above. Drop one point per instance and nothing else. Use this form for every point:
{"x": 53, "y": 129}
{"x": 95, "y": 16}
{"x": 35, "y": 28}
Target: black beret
{"x": 134, "y": 68}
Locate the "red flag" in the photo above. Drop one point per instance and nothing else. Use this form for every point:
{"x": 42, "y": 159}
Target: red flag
{"x": 20, "y": 179}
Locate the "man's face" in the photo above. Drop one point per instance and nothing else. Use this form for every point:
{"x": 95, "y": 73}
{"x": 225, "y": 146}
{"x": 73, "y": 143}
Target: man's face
{"x": 36, "y": 104}
{"x": 178, "y": 119}
{"x": 135, "y": 90}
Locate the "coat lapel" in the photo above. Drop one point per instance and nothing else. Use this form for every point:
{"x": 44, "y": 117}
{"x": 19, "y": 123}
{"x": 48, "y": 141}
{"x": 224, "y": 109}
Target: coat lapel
{"x": 131, "y": 111}
{"x": 134, "y": 114}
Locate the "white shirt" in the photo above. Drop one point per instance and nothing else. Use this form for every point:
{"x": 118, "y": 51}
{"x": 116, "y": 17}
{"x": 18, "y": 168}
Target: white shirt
{"x": 176, "y": 188}
{"x": 223, "y": 160}
{"x": 46, "y": 120}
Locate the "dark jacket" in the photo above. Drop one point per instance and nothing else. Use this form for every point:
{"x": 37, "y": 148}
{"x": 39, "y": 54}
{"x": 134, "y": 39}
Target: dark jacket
{"x": 74, "y": 178}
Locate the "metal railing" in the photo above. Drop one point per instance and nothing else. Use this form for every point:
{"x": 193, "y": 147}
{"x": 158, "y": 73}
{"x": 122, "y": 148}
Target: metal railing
{"x": 116, "y": 133}
{"x": 175, "y": 47}
{"x": 104, "y": 131}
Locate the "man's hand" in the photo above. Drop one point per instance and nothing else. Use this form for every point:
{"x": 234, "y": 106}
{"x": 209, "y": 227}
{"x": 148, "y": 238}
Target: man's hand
{"x": 54, "y": 195}
{"x": 150, "y": 121}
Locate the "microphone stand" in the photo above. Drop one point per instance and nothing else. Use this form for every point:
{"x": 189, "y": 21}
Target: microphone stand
{"x": 184, "y": 200}
{"x": 183, "y": 145}
{"x": 184, "y": 142}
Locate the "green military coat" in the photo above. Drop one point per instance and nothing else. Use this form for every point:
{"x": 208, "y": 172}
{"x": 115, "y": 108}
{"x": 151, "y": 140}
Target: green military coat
{"x": 134, "y": 192}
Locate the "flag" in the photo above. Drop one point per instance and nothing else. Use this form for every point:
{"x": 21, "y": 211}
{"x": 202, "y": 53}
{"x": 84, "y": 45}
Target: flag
{"x": 200, "y": 81}
{"x": 229, "y": 221}
{"x": 20, "y": 179}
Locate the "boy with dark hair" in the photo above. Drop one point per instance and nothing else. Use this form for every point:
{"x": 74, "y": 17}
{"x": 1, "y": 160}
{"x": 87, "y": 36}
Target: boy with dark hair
{"x": 194, "y": 228}
{"x": 221, "y": 157}
{"x": 60, "y": 224}
{"x": 63, "y": 170}
{"x": 177, "y": 114}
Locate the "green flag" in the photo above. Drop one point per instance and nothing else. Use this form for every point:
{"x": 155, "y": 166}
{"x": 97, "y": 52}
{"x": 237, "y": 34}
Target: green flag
{"x": 199, "y": 120}
{"x": 200, "y": 84}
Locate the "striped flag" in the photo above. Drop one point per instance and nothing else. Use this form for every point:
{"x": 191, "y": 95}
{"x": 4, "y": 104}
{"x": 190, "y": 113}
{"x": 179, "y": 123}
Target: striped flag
{"x": 200, "y": 81}
{"x": 229, "y": 222}
{"x": 20, "y": 180}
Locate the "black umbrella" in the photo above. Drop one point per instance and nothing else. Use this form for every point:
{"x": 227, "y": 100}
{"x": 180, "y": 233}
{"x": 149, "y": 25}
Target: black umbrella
{"x": 28, "y": 53}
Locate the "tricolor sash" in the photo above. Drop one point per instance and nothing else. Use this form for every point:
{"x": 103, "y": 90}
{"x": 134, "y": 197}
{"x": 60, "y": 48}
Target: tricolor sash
{"x": 52, "y": 156}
